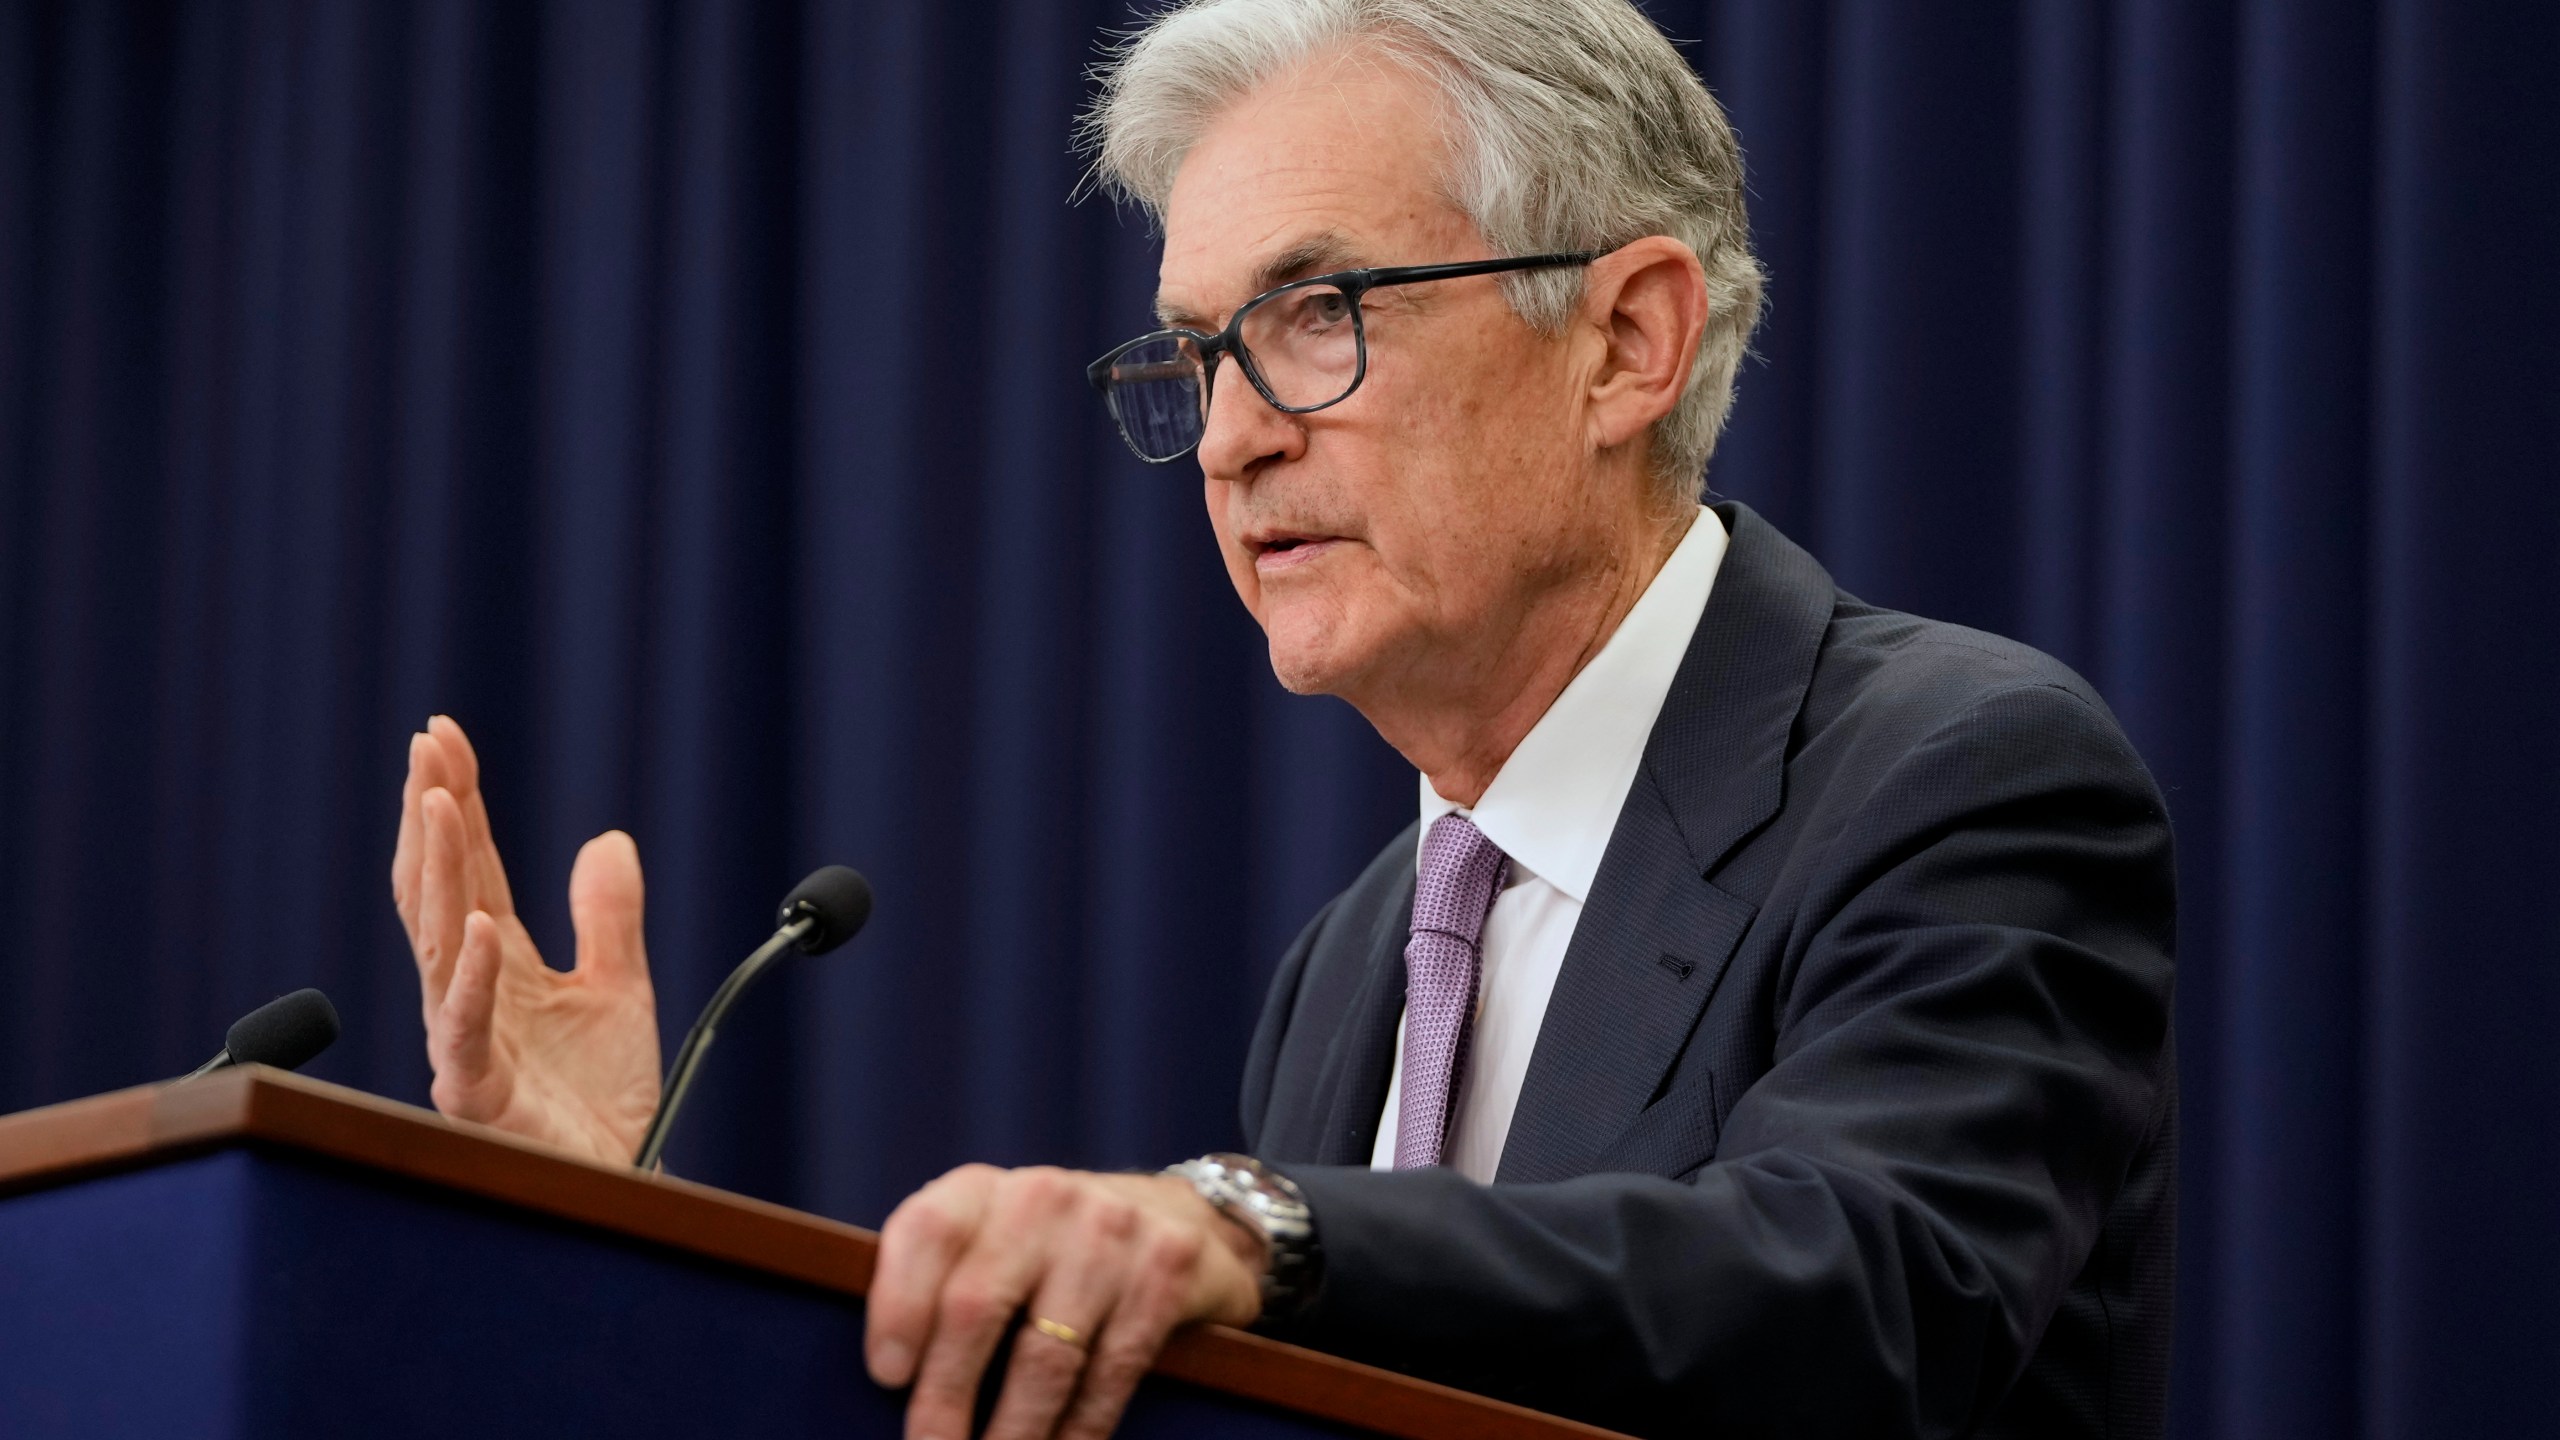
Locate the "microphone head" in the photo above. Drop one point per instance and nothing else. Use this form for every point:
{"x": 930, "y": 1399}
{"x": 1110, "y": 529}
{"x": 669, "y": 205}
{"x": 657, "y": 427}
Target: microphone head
{"x": 838, "y": 898}
{"x": 286, "y": 1032}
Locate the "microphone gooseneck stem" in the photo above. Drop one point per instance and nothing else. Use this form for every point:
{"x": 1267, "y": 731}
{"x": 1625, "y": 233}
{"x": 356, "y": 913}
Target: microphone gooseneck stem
{"x": 220, "y": 1058}
{"x": 698, "y": 1039}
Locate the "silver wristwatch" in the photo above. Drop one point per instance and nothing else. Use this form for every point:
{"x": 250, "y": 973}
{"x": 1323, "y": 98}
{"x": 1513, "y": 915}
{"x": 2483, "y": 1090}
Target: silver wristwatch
{"x": 1269, "y": 1204}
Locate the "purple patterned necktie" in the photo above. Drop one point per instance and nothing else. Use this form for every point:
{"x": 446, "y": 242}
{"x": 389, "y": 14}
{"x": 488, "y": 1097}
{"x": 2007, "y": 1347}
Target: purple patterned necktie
{"x": 1461, "y": 873}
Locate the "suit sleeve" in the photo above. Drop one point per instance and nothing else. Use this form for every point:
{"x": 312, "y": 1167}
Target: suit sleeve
{"x": 1972, "y": 1019}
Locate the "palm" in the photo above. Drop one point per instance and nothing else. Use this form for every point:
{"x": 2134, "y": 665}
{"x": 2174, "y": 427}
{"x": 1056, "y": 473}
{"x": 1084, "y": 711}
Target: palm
{"x": 566, "y": 1057}
{"x": 562, "y": 1063}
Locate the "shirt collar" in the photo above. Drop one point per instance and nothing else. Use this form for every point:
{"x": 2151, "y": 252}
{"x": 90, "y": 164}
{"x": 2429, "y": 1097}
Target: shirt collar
{"x": 1555, "y": 802}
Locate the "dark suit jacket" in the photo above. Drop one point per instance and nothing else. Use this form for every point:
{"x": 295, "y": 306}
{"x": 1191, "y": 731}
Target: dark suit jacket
{"x": 1854, "y": 1110}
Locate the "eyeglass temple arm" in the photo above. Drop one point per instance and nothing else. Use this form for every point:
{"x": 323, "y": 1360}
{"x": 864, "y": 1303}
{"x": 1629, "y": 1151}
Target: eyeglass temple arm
{"x": 1460, "y": 269}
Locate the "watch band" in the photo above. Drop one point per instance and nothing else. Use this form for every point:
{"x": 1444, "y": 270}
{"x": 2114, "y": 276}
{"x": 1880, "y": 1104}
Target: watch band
{"x": 1269, "y": 1204}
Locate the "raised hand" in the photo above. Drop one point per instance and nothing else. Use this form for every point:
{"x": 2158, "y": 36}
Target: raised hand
{"x": 570, "y": 1058}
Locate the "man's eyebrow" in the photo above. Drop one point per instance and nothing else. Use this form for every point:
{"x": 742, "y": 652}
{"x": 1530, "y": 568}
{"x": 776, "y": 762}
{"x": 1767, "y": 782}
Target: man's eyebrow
{"x": 1311, "y": 256}
{"x": 1327, "y": 250}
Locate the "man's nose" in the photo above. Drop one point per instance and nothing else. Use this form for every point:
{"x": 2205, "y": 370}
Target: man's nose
{"x": 1243, "y": 431}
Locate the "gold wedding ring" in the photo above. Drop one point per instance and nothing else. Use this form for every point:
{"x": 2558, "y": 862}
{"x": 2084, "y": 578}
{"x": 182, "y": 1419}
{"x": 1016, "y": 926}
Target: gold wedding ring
{"x": 1056, "y": 1331}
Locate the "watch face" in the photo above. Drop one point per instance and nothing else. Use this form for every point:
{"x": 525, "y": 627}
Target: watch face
{"x": 1252, "y": 1194}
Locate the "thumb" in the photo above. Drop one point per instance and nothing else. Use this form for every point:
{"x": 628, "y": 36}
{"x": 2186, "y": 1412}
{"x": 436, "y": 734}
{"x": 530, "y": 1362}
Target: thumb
{"x": 605, "y": 897}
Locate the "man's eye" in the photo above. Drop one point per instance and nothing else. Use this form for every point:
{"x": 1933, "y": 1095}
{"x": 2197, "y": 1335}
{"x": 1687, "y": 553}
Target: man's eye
{"x": 1328, "y": 307}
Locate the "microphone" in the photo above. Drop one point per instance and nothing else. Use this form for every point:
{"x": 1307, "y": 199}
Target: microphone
{"x": 286, "y": 1032}
{"x": 821, "y": 913}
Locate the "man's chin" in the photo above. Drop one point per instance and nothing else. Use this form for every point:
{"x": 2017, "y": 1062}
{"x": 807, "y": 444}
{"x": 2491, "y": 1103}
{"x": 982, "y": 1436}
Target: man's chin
{"x": 1311, "y": 663}
{"x": 1299, "y": 675}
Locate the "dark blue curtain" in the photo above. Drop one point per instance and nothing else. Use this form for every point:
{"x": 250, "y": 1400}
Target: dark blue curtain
{"x": 687, "y": 396}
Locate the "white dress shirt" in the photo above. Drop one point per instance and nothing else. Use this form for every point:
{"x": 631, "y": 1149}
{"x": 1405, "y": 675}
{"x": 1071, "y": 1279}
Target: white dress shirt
{"x": 1552, "y": 808}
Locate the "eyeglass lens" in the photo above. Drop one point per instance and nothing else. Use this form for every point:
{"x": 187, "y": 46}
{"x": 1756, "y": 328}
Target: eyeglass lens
{"x": 1302, "y": 344}
{"x": 1155, "y": 394}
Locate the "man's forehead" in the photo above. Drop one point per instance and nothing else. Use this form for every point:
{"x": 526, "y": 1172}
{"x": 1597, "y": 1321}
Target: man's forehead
{"x": 1319, "y": 170}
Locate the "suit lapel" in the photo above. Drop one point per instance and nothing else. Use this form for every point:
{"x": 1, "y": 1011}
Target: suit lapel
{"x": 1719, "y": 749}
{"x": 1655, "y": 934}
{"x": 1650, "y": 948}
{"x": 1362, "y": 1057}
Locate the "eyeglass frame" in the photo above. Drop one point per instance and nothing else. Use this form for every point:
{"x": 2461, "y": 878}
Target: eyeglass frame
{"x": 1354, "y": 285}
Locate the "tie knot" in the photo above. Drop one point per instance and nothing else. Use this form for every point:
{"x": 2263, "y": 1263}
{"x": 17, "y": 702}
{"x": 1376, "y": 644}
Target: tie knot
{"x": 1461, "y": 870}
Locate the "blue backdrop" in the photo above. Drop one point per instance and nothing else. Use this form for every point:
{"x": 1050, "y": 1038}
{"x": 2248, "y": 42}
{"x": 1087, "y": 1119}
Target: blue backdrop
{"x": 687, "y": 396}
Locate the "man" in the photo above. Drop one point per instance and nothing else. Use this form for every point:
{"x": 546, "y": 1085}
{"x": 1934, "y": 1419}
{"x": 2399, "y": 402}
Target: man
{"x": 1764, "y": 1028}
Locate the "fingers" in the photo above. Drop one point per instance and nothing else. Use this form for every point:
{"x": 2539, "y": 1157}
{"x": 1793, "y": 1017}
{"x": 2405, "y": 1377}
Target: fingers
{"x": 443, "y": 899}
{"x": 605, "y": 902}
{"x": 978, "y": 1305}
{"x": 1083, "y": 1289}
{"x": 1158, "y": 1272}
{"x": 1046, "y": 1368}
{"x": 922, "y": 1240}
{"x": 461, "y": 1045}
{"x": 941, "y": 1298}
{"x": 409, "y": 855}
{"x": 1149, "y": 1309}
{"x": 471, "y": 1003}
{"x": 1117, "y": 1260}
{"x": 462, "y": 771}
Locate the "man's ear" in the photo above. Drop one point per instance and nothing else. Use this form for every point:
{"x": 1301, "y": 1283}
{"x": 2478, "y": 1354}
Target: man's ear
{"x": 1646, "y": 303}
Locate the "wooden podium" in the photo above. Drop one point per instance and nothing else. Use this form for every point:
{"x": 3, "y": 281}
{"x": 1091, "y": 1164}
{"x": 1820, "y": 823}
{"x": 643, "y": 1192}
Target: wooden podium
{"x": 258, "y": 1254}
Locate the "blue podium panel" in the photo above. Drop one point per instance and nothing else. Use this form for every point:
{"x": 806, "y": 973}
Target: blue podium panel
{"x": 254, "y": 1293}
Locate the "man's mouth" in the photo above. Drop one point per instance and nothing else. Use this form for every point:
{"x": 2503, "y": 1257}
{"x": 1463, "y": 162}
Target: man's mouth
{"x": 1277, "y": 549}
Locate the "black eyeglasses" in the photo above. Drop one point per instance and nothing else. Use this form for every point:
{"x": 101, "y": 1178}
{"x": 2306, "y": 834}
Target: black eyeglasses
{"x": 1301, "y": 344}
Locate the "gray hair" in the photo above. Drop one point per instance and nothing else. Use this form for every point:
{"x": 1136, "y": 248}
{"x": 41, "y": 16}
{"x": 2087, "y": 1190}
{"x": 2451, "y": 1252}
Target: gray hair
{"x": 1580, "y": 128}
